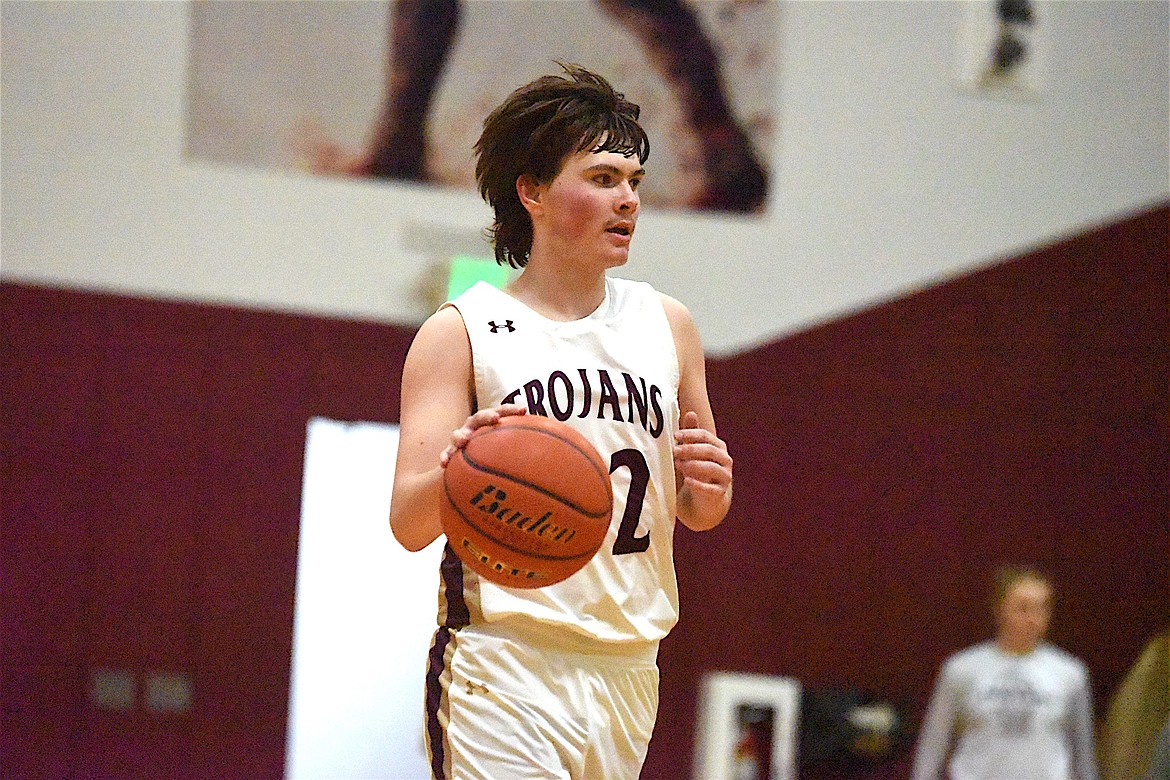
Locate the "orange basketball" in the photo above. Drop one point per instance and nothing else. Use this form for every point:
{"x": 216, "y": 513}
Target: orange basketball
{"x": 528, "y": 501}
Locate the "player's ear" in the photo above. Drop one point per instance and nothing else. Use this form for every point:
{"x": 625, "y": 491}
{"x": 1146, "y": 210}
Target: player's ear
{"x": 530, "y": 192}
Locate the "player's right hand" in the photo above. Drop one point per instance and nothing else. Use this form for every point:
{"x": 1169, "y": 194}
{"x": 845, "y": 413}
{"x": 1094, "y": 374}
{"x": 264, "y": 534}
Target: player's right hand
{"x": 460, "y": 436}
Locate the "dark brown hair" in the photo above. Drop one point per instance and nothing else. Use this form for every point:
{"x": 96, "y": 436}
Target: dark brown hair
{"x": 533, "y": 131}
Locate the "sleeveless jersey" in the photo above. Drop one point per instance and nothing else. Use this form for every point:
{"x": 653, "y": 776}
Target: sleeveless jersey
{"x": 613, "y": 376}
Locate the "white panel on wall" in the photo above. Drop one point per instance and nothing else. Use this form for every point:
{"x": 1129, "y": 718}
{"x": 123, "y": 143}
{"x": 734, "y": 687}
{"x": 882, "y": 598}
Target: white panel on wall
{"x": 886, "y": 176}
{"x": 365, "y": 612}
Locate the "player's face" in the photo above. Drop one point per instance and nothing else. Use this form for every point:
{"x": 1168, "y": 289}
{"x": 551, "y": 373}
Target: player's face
{"x": 1024, "y": 614}
{"x": 591, "y": 207}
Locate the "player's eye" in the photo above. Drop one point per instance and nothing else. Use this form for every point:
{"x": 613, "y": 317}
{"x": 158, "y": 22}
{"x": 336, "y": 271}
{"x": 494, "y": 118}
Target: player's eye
{"x": 604, "y": 179}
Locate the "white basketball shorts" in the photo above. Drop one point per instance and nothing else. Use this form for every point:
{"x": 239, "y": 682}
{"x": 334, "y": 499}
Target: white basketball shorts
{"x": 500, "y": 708}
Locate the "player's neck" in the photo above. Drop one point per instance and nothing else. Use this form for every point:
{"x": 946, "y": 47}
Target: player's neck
{"x": 1013, "y": 646}
{"x": 559, "y": 293}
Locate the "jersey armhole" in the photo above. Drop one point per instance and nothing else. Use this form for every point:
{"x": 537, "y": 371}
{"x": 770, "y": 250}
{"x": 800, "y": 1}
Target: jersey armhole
{"x": 660, "y": 305}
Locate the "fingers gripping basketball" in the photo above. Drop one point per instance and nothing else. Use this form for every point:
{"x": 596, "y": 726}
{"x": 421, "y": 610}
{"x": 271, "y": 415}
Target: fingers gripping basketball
{"x": 528, "y": 501}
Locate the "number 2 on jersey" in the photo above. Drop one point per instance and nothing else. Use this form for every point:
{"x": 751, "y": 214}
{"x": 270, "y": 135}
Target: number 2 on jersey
{"x": 635, "y": 461}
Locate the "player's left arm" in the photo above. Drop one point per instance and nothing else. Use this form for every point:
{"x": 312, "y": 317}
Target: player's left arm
{"x": 702, "y": 464}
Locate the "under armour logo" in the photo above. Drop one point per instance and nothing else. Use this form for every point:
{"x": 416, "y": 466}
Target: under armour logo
{"x": 507, "y": 324}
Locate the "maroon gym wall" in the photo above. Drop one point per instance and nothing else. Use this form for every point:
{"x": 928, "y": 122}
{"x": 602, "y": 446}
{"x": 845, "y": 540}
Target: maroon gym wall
{"x": 150, "y": 497}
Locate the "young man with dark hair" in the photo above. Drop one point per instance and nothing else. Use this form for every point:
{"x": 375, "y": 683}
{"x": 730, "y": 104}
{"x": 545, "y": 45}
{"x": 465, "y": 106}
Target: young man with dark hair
{"x": 561, "y": 681}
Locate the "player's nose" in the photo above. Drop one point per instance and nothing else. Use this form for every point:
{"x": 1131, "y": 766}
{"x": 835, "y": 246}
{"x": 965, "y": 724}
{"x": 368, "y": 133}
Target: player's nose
{"x": 627, "y": 198}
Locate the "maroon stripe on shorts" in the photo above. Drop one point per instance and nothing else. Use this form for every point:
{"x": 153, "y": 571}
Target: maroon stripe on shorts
{"x": 434, "y": 700}
{"x": 451, "y": 571}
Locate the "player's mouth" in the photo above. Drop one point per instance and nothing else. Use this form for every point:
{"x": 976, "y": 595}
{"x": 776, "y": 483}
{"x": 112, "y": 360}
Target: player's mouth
{"x": 623, "y": 228}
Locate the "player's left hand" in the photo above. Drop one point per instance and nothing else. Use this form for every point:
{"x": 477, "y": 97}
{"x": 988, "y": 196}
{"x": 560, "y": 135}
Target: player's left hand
{"x": 702, "y": 462}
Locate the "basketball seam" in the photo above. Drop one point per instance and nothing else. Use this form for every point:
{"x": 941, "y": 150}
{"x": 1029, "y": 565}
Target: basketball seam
{"x": 572, "y": 505}
{"x": 545, "y": 432}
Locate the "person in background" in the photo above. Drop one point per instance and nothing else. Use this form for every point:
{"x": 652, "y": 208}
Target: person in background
{"x": 1159, "y": 768}
{"x": 1137, "y": 717}
{"x": 1012, "y": 707}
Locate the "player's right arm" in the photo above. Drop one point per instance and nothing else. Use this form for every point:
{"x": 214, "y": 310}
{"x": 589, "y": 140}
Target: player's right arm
{"x": 437, "y": 415}
{"x": 436, "y": 399}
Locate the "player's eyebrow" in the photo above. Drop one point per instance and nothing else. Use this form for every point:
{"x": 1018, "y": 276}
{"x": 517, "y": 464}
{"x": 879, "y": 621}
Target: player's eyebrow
{"x": 607, "y": 168}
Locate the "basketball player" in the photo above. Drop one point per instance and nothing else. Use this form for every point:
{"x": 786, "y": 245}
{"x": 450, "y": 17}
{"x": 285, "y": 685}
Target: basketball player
{"x": 1014, "y": 707}
{"x": 560, "y": 681}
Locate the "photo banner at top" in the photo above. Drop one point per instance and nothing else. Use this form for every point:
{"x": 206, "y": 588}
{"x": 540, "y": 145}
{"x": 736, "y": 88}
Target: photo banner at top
{"x": 398, "y": 90}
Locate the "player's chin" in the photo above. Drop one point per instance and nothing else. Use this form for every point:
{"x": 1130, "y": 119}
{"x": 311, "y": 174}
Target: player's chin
{"x": 618, "y": 258}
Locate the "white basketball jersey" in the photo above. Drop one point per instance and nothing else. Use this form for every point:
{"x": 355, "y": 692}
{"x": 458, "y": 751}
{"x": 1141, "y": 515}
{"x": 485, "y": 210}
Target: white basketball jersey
{"x": 614, "y": 377}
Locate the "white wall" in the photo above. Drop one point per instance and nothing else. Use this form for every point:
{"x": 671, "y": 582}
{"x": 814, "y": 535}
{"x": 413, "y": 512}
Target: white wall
{"x": 887, "y": 176}
{"x": 359, "y": 653}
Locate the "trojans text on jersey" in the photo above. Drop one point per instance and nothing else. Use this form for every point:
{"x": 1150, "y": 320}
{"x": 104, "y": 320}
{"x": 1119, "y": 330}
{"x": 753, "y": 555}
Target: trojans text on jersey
{"x": 629, "y": 399}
